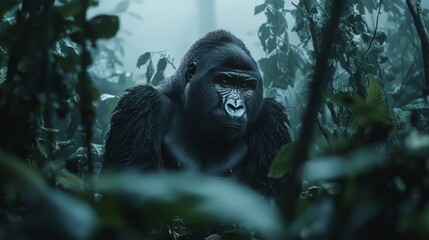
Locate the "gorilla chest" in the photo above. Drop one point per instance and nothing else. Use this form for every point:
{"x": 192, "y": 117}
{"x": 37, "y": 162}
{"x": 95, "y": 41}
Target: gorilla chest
{"x": 183, "y": 148}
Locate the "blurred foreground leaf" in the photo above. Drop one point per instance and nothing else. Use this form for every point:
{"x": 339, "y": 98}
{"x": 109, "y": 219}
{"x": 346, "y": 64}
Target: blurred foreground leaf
{"x": 51, "y": 214}
{"x": 154, "y": 198}
{"x": 353, "y": 164}
{"x": 129, "y": 203}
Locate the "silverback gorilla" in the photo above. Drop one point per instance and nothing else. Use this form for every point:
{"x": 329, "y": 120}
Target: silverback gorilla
{"x": 210, "y": 115}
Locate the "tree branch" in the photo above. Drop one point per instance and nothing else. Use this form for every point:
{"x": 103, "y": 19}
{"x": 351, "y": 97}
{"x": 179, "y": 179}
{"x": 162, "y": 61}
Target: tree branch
{"x": 416, "y": 13}
{"x": 313, "y": 28}
{"x": 375, "y": 30}
{"x": 300, "y": 153}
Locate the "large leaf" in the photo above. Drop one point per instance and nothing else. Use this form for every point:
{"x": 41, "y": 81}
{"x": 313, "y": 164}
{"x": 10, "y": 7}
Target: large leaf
{"x": 122, "y": 6}
{"x": 6, "y": 6}
{"x": 159, "y": 76}
{"x": 143, "y": 201}
{"x": 70, "y": 9}
{"x": 143, "y": 59}
{"x": 282, "y": 162}
{"x": 150, "y": 70}
{"x": 260, "y": 8}
{"x": 375, "y": 93}
{"x": 104, "y": 26}
{"x": 264, "y": 34}
{"x": 337, "y": 166}
{"x": 365, "y": 112}
{"x": 162, "y": 64}
{"x": 54, "y": 214}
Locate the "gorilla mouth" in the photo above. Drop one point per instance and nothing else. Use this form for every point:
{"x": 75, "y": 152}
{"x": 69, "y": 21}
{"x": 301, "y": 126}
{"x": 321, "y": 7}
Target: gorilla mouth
{"x": 232, "y": 123}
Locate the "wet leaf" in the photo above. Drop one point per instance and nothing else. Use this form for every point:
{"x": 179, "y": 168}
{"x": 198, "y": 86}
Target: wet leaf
{"x": 282, "y": 162}
{"x": 104, "y": 26}
{"x": 143, "y": 59}
{"x": 149, "y": 71}
{"x": 260, "y": 8}
{"x": 339, "y": 166}
{"x": 153, "y": 198}
{"x": 122, "y": 6}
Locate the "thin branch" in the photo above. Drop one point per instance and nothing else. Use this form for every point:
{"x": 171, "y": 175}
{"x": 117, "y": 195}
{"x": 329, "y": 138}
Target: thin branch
{"x": 313, "y": 28}
{"x": 45, "y": 81}
{"x": 416, "y": 13}
{"x": 375, "y": 30}
{"x": 84, "y": 62}
{"x": 321, "y": 8}
{"x": 317, "y": 85}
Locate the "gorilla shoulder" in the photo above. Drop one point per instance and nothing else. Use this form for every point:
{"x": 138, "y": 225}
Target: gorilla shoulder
{"x": 130, "y": 143}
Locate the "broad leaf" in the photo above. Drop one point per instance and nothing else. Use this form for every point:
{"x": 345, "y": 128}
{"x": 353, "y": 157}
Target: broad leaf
{"x": 122, "y": 6}
{"x": 149, "y": 71}
{"x": 260, "y": 8}
{"x": 162, "y": 64}
{"x": 142, "y": 201}
{"x": 143, "y": 59}
{"x": 104, "y": 26}
{"x": 282, "y": 162}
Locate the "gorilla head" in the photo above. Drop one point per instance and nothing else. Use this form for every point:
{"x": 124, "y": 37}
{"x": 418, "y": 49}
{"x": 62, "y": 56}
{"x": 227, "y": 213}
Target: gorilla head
{"x": 222, "y": 87}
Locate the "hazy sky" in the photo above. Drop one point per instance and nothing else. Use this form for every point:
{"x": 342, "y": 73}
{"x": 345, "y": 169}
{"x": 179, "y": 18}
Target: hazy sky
{"x": 174, "y": 25}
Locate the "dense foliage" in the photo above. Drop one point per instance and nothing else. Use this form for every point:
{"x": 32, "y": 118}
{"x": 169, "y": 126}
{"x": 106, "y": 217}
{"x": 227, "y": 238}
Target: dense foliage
{"x": 356, "y": 90}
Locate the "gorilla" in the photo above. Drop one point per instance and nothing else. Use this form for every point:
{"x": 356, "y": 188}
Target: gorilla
{"x": 210, "y": 116}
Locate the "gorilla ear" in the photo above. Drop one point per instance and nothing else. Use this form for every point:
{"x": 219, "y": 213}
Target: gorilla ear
{"x": 192, "y": 68}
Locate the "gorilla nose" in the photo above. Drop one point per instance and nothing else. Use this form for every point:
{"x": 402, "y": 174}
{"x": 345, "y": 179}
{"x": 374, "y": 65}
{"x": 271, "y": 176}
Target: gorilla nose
{"x": 235, "y": 108}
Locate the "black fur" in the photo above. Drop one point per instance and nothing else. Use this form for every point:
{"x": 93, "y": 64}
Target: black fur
{"x": 145, "y": 116}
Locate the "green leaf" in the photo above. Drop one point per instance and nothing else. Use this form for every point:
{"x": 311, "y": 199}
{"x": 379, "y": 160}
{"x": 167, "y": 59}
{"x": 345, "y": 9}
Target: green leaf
{"x": 70, "y": 9}
{"x": 162, "y": 64}
{"x": 264, "y": 34}
{"x": 344, "y": 100}
{"x": 159, "y": 76}
{"x": 93, "y": 3}
{"x": 149, "y": 71}
{"x": 417, "y": 104}
{"x": 6, "y": 6}
{"x": 375, "y": 93}
{"x": 372, "y": 111}
{"x": 271, "y": 44}
{"x": 282, "y": 162}
{"x": 104, "y": 26}
{"x": 143, "y": 59}
{"x": 122, "y": 6}
{"x": 260, "y": 8}
{"x": 196, "y": 198}
{"x": 355, "y": 163}
{"x": 46, "y": 204}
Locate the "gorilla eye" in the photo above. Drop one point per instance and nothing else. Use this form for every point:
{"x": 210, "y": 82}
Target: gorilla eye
{"x": 245, "y": 86}
{"x": 224, "y": 82}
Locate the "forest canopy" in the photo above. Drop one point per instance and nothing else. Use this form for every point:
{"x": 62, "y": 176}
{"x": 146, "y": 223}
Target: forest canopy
{"x": 355, "y": 88}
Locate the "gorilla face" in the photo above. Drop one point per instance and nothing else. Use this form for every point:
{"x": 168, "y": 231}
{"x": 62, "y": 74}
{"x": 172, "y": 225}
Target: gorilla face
{"x": 234, "y": 88}
{"x": 224, "y": 93}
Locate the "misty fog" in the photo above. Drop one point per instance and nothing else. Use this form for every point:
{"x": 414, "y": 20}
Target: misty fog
{"x": 152, "y": 25}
